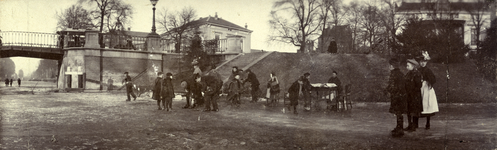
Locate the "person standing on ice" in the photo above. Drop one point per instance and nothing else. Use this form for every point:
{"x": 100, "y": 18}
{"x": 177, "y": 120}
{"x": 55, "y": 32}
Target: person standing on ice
{"x": 396, "y": 89}
{"x": 430, "y": 104}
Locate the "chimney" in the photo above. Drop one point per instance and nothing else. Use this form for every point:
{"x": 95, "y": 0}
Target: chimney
{"x": 215, "y": 16}
{"x": 246, "y": 26}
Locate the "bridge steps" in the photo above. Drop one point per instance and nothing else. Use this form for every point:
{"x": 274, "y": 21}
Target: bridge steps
{"x": 242, "y": 61}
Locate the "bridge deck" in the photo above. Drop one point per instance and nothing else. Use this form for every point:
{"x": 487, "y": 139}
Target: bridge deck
{"x": 28, "y": 51}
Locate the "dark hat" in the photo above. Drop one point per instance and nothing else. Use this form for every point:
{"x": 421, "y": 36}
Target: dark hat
{"x": 414, "y": 62}
{"x": 169, "y": 74}
{"x": 125, "y": 72}
{"x": 335, "y": 72}
{"x": 307, "y": 74}
{"x": 159, "y": 73}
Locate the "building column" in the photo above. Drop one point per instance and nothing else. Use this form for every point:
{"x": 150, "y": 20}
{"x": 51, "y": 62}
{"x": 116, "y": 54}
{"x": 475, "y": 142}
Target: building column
{"x": 153, "y": 43}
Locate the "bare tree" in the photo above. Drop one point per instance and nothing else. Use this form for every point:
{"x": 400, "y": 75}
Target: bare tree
{"x": 353, "y": 18}
{"x": 337, "y": 11}
{"x": 177, "y": 24}
{"x": 371, "y": 23}
{"x": 106, "y": 8}
{"x": 74, "y": 17}
{"x": 324, "y": 11}
{"x": 391, "y": 23}
{"x": 477, "y": 11}
{"x": 294, "y": 21}
{"x": 120, "y": 16}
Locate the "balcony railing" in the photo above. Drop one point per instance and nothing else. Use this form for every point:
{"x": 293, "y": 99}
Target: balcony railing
{"x": 210, "y": 46}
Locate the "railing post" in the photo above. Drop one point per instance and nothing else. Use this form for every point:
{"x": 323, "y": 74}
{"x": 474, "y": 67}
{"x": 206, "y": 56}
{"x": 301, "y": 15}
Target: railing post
{"x": 91, "y": 39}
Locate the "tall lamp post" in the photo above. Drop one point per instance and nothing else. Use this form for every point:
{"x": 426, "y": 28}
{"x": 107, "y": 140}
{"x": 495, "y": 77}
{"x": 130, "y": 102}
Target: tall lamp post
{"x": 154, "y": 2}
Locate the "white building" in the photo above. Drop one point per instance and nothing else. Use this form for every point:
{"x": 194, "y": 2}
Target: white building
{"x": 466, "y": 14}
{"x": 231, "y": 38}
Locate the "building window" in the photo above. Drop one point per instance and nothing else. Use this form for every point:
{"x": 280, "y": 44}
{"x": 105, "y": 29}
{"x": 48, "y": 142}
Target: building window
{"x": 455, "y": 15}
{"x": 473, "y": 36}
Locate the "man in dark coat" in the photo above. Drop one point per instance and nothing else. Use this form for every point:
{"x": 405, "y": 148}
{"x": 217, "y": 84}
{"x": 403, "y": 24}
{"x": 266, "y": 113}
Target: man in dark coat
{"x": 294, "y": 93}
{"x": 19, "y": 81}
{"x": 11, "y": 81}
{"x": 332, "y": 48}
{"x": 6, "y": 82}
{"x": 398, "y": 103}
{"x": 157, "y": 89}
{"x": 211, "y": 89}
{"x": 252, "y": 78}
{"x": 413, "y": 89}
{"x": 129, "y": 86}
{"x": 168, "y": 91}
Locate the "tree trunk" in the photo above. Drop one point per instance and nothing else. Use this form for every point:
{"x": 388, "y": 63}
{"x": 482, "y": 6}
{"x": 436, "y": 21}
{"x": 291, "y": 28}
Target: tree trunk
{"x": 322, "y": 46}
{"x": 178, "y": 48}
{"x": 100, "y": 36}
{"x": 303, "y": 42}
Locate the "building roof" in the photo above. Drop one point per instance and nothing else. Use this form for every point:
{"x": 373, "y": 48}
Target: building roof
{"x": 444, "y": 6}
{"x": 216, "y": 21}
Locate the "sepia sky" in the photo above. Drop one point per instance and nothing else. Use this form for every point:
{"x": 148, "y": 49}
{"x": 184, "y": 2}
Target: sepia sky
{"x": 40, "y": 16}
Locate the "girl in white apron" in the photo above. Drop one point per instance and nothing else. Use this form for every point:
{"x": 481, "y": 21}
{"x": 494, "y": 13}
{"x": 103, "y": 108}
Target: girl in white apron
{"x": 430, "y": 104}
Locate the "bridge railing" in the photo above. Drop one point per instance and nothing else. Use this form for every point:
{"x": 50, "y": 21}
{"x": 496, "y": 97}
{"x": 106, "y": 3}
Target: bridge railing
{"x": 32, "y": 39}
{"x": 121, "y": 41}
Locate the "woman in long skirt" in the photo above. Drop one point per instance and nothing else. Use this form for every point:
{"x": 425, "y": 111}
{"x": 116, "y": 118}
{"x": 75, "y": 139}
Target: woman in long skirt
{"x": 430, "y": 104}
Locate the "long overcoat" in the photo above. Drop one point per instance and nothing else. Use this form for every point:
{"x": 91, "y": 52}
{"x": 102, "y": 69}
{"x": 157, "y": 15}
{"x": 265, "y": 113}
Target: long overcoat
{"x": 413, "y": 89}
{"x": 157, "y": 88}
{"x": 167, "y": 88}
{"x": 397, "y": 90}
{"x": 234, "y": 88}
{"x": 294, "y": 93}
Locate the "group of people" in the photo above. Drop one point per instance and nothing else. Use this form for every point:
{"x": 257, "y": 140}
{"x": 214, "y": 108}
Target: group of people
{"x": 300, "y": 89}
{"x": 411, "y": 94}
{"x": 11, "y": 81}
{"x": 204, "y": 89}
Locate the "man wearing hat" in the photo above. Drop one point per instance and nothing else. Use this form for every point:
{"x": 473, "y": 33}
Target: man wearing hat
{"x": 168, "y": 91}
{"x": 157, "y": 89}
{"x": 252, "y": 78}
{"x": 129, "y": 86}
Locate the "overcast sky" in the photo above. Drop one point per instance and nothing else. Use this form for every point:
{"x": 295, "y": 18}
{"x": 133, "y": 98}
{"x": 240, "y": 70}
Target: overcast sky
{"x": 40, "y": 16}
